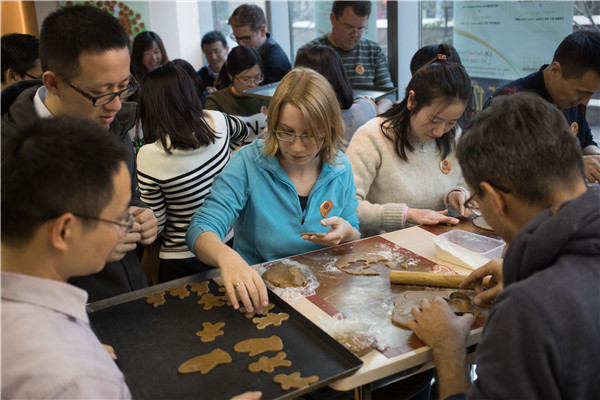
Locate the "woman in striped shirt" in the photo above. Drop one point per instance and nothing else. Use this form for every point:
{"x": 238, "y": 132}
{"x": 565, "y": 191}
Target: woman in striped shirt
{"x": 186, "y": 148}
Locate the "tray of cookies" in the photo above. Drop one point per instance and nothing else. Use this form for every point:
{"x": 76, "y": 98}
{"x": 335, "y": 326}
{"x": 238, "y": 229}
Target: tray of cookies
{"x": 182, "y": 340}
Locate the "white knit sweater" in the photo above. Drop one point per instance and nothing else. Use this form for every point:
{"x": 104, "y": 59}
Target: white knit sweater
{"x": 386, "y": 184}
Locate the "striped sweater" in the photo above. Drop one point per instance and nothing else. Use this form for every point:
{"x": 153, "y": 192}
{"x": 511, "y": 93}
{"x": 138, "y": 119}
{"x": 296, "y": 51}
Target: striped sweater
{"x": 175, "y": 185}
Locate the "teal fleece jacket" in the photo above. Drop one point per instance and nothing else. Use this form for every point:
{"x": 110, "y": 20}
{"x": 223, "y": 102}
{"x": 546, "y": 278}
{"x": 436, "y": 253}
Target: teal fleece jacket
{"x": 255, "y": 195}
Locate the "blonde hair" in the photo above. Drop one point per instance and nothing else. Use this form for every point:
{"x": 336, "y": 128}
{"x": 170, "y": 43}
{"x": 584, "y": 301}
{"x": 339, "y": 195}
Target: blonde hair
{"x": 312, "y": 94}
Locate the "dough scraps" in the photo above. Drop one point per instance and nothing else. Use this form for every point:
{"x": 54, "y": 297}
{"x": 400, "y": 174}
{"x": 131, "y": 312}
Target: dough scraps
{"x": 481, "y": 223}
{"x": 459, "y": 302}
{"x": 404, "y": 302}
{"x": 249, "y": 315}
{"x": 360, "y": 265}
{"x": 267, "y": 364}
{"x": 179, "y": 291}
{"x": 284, "y": 276}
{"x": 205, "y": 363}
{"x": 156, "y": 299}
{"x": 210, "y": 331}
{"x": 200, "y": 288}
{"x": 210, "y": 300}
{"x": 270, "y": 319}
{"x": 294, "y": 380}
{"x": 259, "y": 345}
{"x": 356, "y": 343}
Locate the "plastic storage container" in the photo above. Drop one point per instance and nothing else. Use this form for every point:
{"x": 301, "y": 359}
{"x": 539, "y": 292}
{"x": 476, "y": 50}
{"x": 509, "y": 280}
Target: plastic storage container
{"x": 467, "y": 249}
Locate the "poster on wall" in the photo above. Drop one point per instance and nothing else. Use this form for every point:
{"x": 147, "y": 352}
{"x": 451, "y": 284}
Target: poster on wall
{"x": 134, "y": 16}
{"x": 500, "y": 41}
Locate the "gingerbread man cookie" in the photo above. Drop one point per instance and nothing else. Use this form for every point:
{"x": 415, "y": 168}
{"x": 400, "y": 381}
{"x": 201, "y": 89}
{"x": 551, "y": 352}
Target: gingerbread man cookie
{"x": 270, "y": 319}
{"x": 179, "y": 291}
{"x": 259, "y": 345}
{"x": 156, "y": 299}
{"x": 210, "y": 331}
{"x": 249, "y": 315}
{"x": 200, "y": 288}
{"x": 205, "y": 363}
{"x": 210, "y": 300}
{"x": 294, "y": 380}
{"x": 268, "y": 365}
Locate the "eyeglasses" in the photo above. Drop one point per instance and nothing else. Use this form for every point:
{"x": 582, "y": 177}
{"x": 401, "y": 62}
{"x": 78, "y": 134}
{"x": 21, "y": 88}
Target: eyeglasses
{"x": 249, "y": 80}
{"x": 471, "y": 205}
{"x": 98, "y": 101}
{"x": 474, "y": 207}
{"x": 126, "y": 225}
{"x": 31, "y": 76}
{"x": 351, "y": 28}
{"x": 241, "y": 39}
{"x": 306, "y": 139}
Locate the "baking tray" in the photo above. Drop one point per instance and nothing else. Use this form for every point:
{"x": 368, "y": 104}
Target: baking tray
{"x": 151, "y": 343}
{"x": 375, "y": 92}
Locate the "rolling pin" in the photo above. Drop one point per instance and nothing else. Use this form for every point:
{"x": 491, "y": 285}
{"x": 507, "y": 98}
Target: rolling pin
{"x": 430, "y": 279}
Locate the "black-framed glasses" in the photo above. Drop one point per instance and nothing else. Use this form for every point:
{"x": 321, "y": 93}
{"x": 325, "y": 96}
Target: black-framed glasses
{"x": 126, "y": 224}
{"x": 248, "y": 80}
{"x": 473, "y": 206}
{"x": 241, "y": 39}
{"x": 98, "y": 101}
{"x": 306, "y": 139}
{"x": 31, "y": 76}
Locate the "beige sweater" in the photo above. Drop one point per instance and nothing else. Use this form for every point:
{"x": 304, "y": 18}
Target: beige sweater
{"x": 386, "y": 185}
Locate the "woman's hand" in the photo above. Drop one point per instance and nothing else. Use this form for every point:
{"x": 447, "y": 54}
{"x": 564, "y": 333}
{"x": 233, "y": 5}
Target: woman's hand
{"x": 456, "y": 200}
{"x": 242, "y": 282}
{"x": 483, "y": 297}
{"x": 341, "y": 231}
{"x": 428, "y": 217}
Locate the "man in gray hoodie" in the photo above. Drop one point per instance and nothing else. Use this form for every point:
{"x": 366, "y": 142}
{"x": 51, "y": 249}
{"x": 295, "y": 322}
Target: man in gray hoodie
{"x": 540, "y": 339}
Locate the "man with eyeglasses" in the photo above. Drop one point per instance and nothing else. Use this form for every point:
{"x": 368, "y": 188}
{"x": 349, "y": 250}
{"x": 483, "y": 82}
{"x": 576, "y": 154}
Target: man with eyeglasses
{"x": 249, "y": 27}
{"x": 64, "y": 209}
{"x": 84, "y": 53}
{"x": 363, "y": 59}
{"x": 540, "y": 339}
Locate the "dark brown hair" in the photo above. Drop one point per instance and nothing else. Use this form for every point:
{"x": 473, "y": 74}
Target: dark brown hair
{"x": 523, "y": 144}
{"x": 171, "y": 110}
{"x": 142, "y": 43}
{"x": 438, "y": 80}
{"x": 326, "y": 61}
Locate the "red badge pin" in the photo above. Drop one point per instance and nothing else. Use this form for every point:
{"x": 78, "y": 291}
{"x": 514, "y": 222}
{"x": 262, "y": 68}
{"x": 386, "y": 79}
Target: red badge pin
{"x": 445, "y": 166}
{"x": 326, "y": 207}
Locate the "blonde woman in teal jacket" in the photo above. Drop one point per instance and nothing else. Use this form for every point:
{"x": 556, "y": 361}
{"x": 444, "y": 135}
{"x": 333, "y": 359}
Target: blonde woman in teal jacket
{"x": 294, "y": 181}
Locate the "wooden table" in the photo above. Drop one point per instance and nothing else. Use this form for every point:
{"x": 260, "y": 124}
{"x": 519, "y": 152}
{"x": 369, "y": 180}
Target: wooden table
{"x": 377, "y": 365}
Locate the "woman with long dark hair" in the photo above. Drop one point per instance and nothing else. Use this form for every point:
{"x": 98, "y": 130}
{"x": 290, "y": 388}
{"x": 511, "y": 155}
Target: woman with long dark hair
{"x": 186, "y": 147}
{"x": 147, "y": 53}
{"x": 404, "y": 164}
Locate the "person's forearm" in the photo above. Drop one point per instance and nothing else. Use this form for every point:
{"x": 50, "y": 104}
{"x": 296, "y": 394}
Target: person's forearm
{"x": 383, "y": 105}
{"x": 210, "y": 249}
{"x": 591, "y": 150}
{"x": 452, "y": 374}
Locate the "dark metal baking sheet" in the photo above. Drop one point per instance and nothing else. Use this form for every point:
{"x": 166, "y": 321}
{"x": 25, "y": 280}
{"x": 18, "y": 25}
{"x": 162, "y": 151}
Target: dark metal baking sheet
{"x": 151, "y": 343}
{"x": 375, "y": 92}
